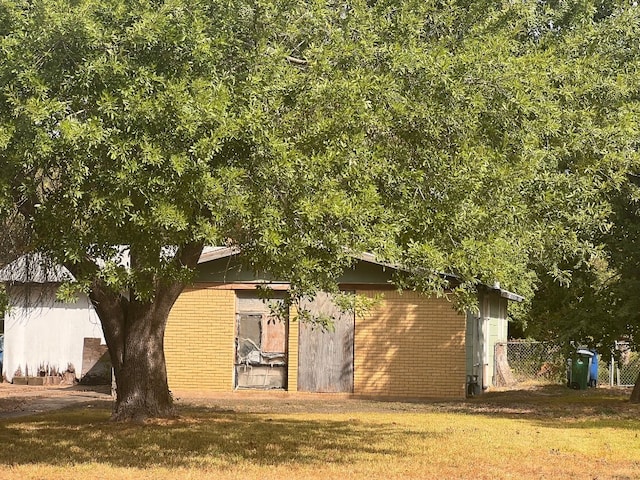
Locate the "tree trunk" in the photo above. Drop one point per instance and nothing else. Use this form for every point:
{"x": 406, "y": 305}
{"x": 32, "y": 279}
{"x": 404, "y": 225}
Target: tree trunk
{"x": 635, "y": 394}
{"x": 134, "y": 332}
{"x": 141, "y": 380}
{"x": 504, "y": 374}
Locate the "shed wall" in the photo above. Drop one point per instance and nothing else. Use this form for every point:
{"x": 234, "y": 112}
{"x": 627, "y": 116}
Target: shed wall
{"x": 497, "y": 326}
{"x": 199, "y": 340}
{"x": 410, "y": 346}
{"x": 42, "y": 331}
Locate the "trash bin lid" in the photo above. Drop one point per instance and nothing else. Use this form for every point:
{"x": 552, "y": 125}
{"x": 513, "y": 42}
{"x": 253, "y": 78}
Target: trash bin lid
{"x": 583, "y": 351}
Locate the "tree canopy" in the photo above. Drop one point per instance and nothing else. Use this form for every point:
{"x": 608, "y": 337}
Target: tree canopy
{"x": 476, "y": 138}
{"x": 599, "y": 305}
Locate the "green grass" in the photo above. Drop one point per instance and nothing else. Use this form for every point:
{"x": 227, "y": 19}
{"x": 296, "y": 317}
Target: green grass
{"x": 545, "y": 433}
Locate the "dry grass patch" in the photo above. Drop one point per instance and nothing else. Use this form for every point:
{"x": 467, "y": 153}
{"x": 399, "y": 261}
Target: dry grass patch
{"x": 545, "y": 433}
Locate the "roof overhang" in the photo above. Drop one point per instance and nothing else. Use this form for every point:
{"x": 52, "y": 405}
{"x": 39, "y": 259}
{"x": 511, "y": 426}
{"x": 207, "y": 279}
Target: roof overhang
{"x": 215, "y": 253}
{"x": 514, "y": 297}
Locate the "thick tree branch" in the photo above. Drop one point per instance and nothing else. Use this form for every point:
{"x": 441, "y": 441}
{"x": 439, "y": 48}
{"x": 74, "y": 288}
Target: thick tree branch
{"x": 186, "y": 256}
{"x": 297, "y": 61}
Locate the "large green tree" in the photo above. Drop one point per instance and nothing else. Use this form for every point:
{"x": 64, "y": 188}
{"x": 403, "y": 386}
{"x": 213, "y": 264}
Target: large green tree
{"x": 133, "y": 133}
{"x": 468, "y": 137}
{"x": 623, "y": 242}
{"x": 601, "y": 304}
{"x": 598, "y": 303}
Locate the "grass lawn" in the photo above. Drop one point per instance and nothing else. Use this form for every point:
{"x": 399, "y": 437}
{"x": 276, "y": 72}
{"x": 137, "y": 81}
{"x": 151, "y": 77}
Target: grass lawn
{"x": 549, "y": 432}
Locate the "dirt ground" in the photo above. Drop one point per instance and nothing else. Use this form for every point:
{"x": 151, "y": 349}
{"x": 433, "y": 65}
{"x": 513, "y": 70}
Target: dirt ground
{"x": 22, "y": 400}
{"x": 531, "y": 401}
{"x": 539, "y": 401}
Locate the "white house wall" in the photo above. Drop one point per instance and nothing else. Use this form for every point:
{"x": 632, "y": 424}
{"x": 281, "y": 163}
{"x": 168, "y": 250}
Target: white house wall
{"x": 42, "y": 331}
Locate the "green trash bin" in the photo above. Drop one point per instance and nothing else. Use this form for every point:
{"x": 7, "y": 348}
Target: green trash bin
{"x": 580, "y": 367}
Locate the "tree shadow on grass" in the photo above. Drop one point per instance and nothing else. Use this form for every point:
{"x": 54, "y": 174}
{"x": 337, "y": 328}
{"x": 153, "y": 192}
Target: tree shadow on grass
{"x": 280, "y": 432}
{"x": 207, "y": 438}
{"x": 557, "y": 406}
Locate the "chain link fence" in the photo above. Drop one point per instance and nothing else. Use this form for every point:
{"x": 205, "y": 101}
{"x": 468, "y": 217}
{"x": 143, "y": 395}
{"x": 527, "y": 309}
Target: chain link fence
{"x": 527, "y": 362}
{"x": 626, "y": 368}
{"x": 627, "y": 372}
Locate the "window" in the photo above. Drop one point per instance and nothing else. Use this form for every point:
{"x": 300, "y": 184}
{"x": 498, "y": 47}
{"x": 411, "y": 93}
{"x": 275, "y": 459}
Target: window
{"x": 261, "y": 344}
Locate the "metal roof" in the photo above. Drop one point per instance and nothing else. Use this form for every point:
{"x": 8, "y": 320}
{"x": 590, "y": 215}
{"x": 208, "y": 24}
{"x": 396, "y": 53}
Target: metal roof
{"x": 34, "y": 268}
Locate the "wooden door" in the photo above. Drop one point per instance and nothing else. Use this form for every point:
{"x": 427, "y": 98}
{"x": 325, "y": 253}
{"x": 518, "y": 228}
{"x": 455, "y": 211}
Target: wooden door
{"x": 325, "y": 362}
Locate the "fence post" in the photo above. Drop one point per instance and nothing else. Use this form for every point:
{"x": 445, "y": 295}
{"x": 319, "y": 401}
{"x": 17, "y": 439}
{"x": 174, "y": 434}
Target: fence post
{"x": 611, "y": 372}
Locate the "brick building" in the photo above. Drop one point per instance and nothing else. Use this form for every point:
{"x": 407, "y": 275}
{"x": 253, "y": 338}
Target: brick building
{"x": 222, "y": 337}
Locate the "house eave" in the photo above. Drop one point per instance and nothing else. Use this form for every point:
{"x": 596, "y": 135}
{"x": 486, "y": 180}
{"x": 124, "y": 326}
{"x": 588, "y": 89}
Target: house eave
{"x": 514, "y": 297}
{"x": 216, "y": 253}
{"x": 34, "y": 269}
